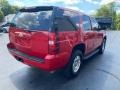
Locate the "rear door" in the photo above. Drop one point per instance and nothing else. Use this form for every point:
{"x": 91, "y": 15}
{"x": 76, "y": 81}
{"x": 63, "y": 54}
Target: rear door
{"x": 89, "y": 35}
{"x": 30, "y": 31}
{"x": 67, "y": 33}
{"x": 68, "y": 29}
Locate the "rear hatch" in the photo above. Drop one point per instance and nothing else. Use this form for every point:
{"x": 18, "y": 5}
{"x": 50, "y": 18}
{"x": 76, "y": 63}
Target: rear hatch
{"x": 29, "y": 30}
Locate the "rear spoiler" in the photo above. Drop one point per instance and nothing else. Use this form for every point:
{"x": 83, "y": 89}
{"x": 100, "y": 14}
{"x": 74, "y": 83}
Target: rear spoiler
{"x": 35, "y": 9}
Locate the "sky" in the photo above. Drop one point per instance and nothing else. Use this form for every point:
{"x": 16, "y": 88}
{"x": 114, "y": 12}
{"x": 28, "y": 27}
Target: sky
{"x": 86, "y": 6}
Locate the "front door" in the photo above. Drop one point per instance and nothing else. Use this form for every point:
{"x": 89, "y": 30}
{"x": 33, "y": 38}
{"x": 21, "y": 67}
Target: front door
{"x": 98, "y": 34}
{"x": 89, "y": 35}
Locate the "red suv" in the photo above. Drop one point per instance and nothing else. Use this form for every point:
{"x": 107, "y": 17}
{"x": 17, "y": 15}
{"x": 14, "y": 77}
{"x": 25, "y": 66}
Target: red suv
{"x": 51, "y": 38}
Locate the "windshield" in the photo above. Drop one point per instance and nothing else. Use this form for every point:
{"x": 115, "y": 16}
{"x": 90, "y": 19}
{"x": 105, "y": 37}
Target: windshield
{"x": 39, "y": 20}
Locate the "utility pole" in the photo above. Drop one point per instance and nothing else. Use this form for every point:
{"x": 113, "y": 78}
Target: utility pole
{"x": 116, "y": 7}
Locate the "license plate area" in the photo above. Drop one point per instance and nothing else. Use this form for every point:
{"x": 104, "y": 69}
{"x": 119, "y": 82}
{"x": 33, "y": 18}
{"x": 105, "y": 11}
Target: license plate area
{"x": 23, "y": 39}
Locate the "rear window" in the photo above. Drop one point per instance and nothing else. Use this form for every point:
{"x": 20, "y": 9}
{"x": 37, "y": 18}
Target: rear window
{"x": 33, "y": 19}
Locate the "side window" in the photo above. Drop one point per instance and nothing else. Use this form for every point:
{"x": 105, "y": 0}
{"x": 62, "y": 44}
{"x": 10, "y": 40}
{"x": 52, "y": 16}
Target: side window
{"x": 86, "y": 23}
{"x": 74, "y": 17}
{"x": 94, "y": 24}
{"x": 63, "y": 24}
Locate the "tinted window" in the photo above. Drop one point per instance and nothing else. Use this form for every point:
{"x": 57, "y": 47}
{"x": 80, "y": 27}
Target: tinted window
{"x": 37, "y": 20}
{"x": 74, "y": 17}
{"x": 63, "y": 24}
{"x": 86, "y": 23}
{"x": 94, "y": 24}
{"x": 58, "y": 12}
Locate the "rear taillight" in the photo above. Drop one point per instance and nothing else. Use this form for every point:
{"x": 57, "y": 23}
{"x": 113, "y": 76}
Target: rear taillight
{"x": 53, "y": 43}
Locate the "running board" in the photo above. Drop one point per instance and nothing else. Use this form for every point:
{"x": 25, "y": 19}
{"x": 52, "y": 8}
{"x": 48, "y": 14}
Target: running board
{"x": 91, "y": 54}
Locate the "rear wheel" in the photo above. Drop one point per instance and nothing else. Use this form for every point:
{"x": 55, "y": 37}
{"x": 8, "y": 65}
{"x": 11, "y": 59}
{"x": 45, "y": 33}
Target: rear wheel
{"x": 102, "y": 47}
{"x": 74, "y": 65}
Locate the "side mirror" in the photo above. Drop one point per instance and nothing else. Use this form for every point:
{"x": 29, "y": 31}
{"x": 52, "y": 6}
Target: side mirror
{"x": 99, "y": 28}
{"x": 102, "y": 28}
{"x": 96, "y": 29}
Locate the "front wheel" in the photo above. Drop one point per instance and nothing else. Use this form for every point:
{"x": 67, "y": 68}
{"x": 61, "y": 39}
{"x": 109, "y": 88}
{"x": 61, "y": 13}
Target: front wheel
{"x": 74, "y": 65}
{"x": 102, "y": 47}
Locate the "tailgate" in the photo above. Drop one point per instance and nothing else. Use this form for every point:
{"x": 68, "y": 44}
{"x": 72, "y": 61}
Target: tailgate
{"x": 31, "y": 42}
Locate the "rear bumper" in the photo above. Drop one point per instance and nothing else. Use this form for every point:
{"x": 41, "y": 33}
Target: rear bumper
{"x": 33, "y": 58}
{"x": 49, "y": 63}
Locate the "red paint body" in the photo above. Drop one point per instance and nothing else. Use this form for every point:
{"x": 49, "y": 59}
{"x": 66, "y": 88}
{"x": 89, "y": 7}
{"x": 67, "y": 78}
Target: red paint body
{"x": 41, "y": 44}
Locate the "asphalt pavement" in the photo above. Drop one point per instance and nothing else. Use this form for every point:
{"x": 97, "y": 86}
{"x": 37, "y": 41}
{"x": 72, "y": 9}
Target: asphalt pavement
{"x": 101, "y": 72}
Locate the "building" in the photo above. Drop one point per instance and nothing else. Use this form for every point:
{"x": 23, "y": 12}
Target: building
{"x": 105, "y": 22}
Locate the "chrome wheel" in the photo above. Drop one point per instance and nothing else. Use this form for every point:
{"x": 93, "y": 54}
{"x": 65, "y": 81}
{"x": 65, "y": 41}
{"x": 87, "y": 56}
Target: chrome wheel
{"x": 73, "y": 67}
{"x": 76, "y": 64}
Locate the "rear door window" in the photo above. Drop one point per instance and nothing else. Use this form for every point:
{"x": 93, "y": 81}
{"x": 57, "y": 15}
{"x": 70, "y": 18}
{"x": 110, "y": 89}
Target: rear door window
{"x": 64, "y": 24}
{"x": 74, "y": 17}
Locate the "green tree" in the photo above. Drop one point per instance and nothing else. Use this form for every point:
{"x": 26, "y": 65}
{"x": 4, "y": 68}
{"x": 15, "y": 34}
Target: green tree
{"x": 103, "y": 11}
{"x": 1, "y": 16}
{"x": 118, "y": 22}
{"x": 16, "y": 8}
{"x": 108, "y": 11}
{"x": 6, "y": 8}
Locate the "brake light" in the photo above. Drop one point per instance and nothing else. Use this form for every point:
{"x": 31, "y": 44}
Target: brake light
{"x": 53, "y": 43}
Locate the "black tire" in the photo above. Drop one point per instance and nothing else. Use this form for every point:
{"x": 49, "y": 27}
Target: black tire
{"x": 102, "y": 47}
{"x": 69, "y": 70}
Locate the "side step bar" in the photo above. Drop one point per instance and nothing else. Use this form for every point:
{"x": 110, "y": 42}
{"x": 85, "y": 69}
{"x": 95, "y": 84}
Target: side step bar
{"x": 91, "y": 54}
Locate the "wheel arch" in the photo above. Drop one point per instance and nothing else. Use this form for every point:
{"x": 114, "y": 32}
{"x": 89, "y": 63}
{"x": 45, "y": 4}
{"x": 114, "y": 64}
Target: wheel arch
{"x": 80, "y": 47}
